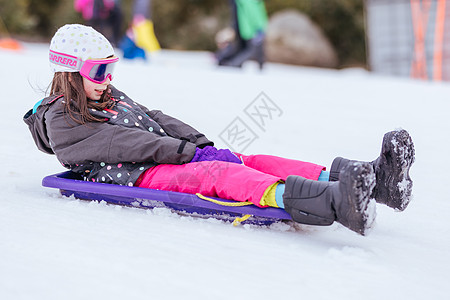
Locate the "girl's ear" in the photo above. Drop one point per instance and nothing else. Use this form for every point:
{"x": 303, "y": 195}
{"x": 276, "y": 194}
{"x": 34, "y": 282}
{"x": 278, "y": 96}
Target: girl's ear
{"x": 70, "y": 76}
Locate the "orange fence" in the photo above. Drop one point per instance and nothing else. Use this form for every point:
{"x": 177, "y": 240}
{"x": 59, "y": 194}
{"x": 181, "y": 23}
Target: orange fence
{"x": 409, "y": 38}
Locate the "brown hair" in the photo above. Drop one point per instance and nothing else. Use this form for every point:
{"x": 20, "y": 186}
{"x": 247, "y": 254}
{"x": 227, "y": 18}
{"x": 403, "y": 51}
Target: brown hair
{"x": 77, "y": 105}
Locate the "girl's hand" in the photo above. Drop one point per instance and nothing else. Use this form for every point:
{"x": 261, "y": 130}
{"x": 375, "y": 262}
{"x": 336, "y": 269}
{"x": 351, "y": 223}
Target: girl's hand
{"x": 210, "y": 153}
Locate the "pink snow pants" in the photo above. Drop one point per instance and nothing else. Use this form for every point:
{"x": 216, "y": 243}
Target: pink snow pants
{"x": 245, "y": 182}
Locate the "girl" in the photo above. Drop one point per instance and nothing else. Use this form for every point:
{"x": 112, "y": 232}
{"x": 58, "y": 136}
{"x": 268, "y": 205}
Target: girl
{"x": 99, "y": 132}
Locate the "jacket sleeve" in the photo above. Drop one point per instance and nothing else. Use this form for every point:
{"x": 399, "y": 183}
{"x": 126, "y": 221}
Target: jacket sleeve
{"x": 171, "y": 125}
{"x": 179, "y": 130}
{"x": 103, "y": 142}
{"x": 37, "y": 132}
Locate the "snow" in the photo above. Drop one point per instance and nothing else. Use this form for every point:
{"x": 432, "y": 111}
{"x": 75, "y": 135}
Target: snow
{"x": 53, "y": 247}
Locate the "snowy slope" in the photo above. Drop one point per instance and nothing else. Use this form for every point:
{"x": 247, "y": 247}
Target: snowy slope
{"x": 62, "y": 248}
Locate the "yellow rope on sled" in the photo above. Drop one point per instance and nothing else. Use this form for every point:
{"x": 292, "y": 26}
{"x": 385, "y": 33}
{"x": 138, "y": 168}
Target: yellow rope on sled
{"x": 224, "y": 203}
{"x": 237, "y": 220}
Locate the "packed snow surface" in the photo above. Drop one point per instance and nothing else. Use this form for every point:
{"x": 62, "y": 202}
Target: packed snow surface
{"x": 54, "y": 247}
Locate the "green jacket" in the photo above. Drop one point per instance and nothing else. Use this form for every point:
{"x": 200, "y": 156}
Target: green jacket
{"x": 252, "y": 17}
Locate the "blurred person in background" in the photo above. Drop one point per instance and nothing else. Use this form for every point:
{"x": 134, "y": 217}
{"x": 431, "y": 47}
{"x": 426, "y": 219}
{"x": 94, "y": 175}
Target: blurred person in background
{"x": 249, "y": 22}
{"x": 140, "y": 37}
{"x": 104, "y": 15}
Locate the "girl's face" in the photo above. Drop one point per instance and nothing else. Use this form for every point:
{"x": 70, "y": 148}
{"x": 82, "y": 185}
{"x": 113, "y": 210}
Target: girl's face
{"x": 94, "y": 90}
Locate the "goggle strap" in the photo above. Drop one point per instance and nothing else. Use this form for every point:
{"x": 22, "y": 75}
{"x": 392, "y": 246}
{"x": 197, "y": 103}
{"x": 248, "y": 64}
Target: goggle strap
{"x": 65, "y": 60}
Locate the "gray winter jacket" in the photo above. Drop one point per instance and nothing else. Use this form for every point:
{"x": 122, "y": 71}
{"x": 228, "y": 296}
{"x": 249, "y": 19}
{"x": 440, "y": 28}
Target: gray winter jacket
{"x": 131, "y": 140}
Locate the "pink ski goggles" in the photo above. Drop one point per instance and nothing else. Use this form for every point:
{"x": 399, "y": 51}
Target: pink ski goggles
{"x": 97, "y": 71}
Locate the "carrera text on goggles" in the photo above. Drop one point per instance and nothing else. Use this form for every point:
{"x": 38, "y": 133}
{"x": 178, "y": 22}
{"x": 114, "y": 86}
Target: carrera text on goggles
{"x": 94, "y": 70}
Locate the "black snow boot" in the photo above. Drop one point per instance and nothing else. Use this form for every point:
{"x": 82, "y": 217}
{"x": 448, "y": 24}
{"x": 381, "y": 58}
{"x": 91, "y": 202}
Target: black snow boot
{"x": 346, "y": 201}
{"x": 251, "y": 50}
{"x": 393, "y": 185}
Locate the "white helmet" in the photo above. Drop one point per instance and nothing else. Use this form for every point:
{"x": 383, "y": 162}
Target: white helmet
{"x": 82, "y": 42}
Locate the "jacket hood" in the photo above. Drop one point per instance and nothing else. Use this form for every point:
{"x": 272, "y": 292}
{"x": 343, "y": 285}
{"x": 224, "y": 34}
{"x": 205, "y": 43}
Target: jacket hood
{"x": 36, "y": 124}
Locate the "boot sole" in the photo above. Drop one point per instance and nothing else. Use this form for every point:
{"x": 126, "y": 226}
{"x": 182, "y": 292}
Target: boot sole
{"x": 394, "y": 186}
{"x": 357, "y": 181}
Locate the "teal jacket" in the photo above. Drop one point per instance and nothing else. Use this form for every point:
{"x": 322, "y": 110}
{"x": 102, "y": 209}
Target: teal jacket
{"x": 251, "y": 17}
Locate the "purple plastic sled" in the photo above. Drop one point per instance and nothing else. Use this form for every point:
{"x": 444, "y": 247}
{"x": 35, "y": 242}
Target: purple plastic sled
{"x": 69, "y": 183}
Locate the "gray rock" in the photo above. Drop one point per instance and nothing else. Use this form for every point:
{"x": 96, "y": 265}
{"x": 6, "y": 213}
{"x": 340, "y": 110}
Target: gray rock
{"x": 292, "y": 38}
